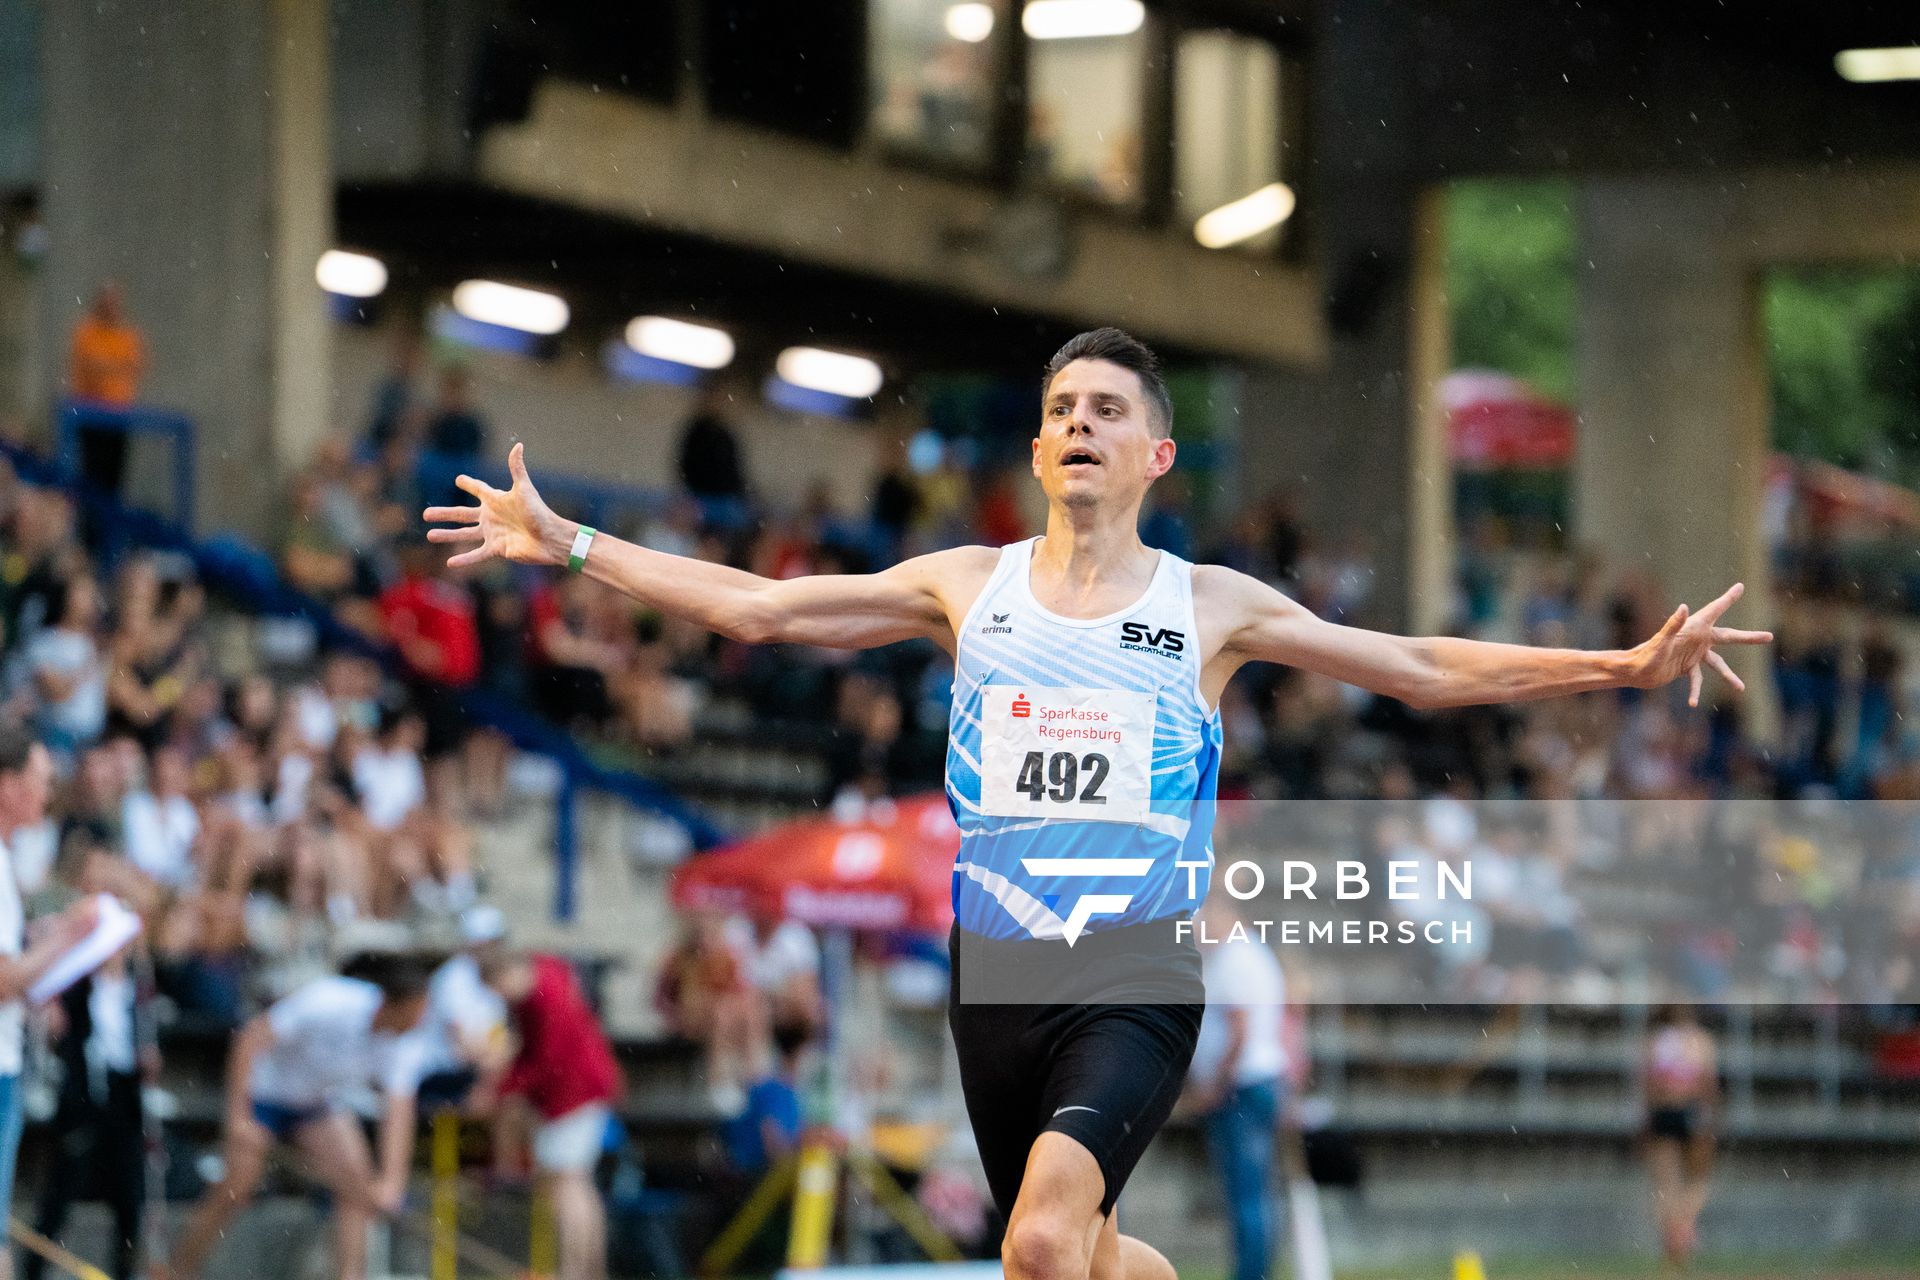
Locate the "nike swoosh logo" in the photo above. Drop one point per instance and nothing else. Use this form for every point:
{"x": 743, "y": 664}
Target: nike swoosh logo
{"x": 1064, "y": 1110}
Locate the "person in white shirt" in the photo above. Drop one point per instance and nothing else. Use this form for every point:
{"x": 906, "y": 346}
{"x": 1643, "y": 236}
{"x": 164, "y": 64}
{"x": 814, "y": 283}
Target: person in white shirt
{"x": 68, "y": 675}
{"x": 388, "y": 776}
{"x": 289, "y": 1078}
{"x": 464, "y": 1033}
{"x": 161, "y": 824}
{"x": 98, "y": 1026}
{"x": 26, "y": 782}
{"x": 782, "y": 961}
{"x": 1237, "y": 1080}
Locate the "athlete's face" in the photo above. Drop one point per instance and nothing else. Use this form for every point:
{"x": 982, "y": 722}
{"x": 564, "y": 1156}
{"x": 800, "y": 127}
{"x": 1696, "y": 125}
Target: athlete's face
{"x": 1097, "y": 443}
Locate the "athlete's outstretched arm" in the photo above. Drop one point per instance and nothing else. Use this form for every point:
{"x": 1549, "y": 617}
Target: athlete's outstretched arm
{"x": 1261, "y": 625}
{"x": 850, "y": 611}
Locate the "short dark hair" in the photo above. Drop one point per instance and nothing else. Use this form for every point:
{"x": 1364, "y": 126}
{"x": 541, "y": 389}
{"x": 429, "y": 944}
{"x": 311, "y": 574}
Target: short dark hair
{"x": 1127, "y": 351}
{"x": 16, "y": 746}
{"x": 400, "y": 975}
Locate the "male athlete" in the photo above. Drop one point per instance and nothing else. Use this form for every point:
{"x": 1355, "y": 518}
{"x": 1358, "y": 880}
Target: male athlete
{"x": 1083, "y": 751}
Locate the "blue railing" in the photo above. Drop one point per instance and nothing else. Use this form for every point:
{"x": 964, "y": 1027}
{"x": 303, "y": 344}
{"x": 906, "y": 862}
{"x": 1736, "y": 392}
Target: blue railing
{"x": 131, "y": 420}
{"x": 235, "y": 567}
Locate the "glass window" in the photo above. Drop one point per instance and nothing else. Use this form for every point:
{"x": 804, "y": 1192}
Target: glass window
{"x": 1227, "y": 140}
{"x": 1087, "y": 64}
{"x": 932, "y": 76}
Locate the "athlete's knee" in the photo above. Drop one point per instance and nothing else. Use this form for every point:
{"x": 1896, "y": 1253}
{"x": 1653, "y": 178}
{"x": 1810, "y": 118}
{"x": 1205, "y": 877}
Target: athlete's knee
{"x": 1043, "y": 1247}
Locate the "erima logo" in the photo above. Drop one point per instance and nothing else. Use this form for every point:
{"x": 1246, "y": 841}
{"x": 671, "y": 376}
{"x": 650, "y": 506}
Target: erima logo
{"x": 1167, "y": 642}
{"x": 1002, "y": 617}
{"x": 998, "y": 627}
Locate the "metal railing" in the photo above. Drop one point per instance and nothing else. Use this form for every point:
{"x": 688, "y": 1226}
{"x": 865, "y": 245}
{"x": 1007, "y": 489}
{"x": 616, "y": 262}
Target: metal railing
{"x": 73, "y": 415}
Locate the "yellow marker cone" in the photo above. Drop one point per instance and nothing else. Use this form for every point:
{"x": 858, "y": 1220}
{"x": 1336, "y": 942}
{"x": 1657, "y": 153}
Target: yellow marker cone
{"x": 1467, "y": 1266}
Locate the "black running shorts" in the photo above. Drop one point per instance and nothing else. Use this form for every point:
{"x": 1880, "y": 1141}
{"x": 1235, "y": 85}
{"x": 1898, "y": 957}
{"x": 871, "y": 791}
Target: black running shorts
{"x": 1103, "y": 1066}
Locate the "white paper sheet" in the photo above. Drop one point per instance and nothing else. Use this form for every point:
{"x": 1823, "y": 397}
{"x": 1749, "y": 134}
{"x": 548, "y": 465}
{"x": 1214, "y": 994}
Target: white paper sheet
{"x": 117, "y": 927}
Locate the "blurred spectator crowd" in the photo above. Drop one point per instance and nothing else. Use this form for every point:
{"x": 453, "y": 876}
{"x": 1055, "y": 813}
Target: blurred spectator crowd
{"x": 247, "y": 805}
{"x": 308, "y": 793}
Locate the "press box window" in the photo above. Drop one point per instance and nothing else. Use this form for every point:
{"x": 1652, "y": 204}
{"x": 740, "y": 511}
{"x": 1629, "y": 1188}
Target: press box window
{"x": 1086, "y": 90}
{"x": 931, "y": 73}
{"x": 1227, "y": 172}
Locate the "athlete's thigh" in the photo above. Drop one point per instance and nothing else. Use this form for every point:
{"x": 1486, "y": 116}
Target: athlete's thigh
{"x": 1003, "y": 1082}
{"x": 1113, "y": 1081}
{"x": 336, "y": 1150}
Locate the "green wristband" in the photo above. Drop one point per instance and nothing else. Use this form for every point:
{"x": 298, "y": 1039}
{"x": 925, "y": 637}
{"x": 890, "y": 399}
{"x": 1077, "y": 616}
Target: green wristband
{"x": 577, "y": 558}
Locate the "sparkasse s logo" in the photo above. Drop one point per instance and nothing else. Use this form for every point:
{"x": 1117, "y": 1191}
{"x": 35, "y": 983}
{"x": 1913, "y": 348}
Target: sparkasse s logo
{"x": 1166, "y": 642}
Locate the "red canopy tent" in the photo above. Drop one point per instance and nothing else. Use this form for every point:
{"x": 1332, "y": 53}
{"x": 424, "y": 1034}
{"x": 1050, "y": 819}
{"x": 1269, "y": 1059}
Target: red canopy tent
{"x": 889, "y": 869}
{"x": 1497, "y": 422}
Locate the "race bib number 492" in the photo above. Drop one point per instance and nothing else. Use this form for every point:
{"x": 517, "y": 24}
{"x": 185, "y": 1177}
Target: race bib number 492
{"x": 1066, "y": 753}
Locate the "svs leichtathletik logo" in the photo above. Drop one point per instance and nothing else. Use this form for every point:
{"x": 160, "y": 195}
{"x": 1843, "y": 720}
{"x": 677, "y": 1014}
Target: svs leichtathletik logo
{"x": 1164, "y": 642}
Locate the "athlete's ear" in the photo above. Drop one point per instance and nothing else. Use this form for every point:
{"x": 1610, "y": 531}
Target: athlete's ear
{"x": 1036, "y": 457}
{"x": 1160, "y": 461}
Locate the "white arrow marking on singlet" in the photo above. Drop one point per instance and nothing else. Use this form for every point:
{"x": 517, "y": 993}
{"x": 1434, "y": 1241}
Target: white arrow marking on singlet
{"x": 1094, "y": 904}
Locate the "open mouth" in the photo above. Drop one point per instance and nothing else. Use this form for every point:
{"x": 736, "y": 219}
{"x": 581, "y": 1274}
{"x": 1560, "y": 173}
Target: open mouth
{"x": 1078, "y": 458}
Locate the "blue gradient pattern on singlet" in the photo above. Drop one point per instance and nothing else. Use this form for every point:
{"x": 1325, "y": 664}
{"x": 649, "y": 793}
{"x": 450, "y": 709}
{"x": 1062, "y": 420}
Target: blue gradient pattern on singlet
{"x": 1008, "y": 638}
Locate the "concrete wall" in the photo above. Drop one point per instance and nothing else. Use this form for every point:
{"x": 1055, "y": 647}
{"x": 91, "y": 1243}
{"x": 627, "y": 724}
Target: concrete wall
{"x": 678, "y": 171}
{"x": 207, "y": 192}
{"x": 19, "y": 93}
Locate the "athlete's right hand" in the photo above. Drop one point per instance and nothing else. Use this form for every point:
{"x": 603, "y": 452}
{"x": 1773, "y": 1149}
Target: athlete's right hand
{"x": 513, "y": 524}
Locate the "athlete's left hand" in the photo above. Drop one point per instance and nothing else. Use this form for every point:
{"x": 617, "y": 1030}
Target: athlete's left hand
{"x": 1685, "y": 646}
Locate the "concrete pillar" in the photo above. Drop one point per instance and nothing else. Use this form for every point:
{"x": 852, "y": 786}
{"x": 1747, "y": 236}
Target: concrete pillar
{"x": 1673, "y": 441}
{"x": 1345, "y": 439}
{"x": 20, "y": 364}
{"x": 1430, "y": 540}
{"x": 186, "y": 154}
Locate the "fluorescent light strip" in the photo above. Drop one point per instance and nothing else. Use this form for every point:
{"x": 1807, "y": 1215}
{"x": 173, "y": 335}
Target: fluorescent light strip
{"x": 511, "y": 307}
{"x": 834, "y": 372}
{"x": 699, "y": 345}
{"x": 1082, "y": 19}
{"x": 351, "y": 275}
{"x": 970, "y": 23}
{"x": 1246, "y": 217}
{"x": 1878, "y": 66}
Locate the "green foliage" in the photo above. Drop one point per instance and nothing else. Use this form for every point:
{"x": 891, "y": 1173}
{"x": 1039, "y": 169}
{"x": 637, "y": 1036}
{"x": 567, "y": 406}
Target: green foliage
{"x": 1843, "y": 345}
{"x": 1512, "y": 253}
{"x": 1842, "y": 366}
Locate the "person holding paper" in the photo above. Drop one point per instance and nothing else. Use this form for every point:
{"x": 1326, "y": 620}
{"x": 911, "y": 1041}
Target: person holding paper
{"x": 26, "y": 782}
{"x": 288, "y": 1078}
{"x": 105, "y": 1056}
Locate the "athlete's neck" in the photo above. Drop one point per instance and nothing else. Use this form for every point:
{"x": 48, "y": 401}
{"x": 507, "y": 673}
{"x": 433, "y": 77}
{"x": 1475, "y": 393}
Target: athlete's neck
{"x": 1088, "y": 551}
